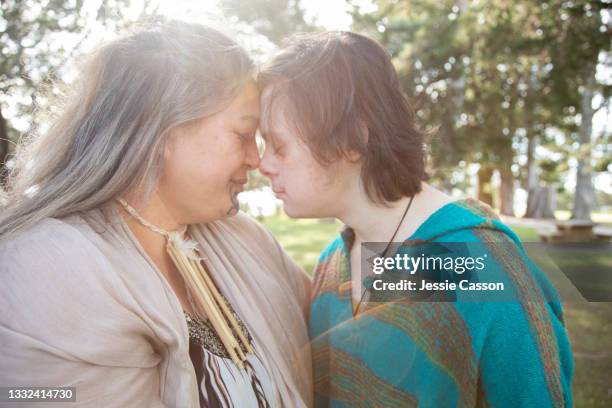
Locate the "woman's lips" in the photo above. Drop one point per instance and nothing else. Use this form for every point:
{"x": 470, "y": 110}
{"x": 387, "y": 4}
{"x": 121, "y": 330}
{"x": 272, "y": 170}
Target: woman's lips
{"x": 279, "y": 192}
{"x": 240, "y": 183}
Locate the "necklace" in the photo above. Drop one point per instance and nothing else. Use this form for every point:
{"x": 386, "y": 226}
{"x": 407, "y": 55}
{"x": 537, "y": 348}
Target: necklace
{"x": 384, "y": 252}
{"x": 185, "y": 256}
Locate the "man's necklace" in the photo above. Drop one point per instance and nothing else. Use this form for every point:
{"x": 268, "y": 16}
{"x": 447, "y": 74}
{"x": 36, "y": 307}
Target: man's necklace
{"x": 384, "y": 253}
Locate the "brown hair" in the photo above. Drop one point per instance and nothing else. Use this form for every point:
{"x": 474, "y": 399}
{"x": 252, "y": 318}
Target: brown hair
{"x": 336, "y": 85}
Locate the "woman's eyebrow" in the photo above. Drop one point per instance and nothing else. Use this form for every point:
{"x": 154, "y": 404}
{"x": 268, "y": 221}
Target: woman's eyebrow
{"x": 265, "y": 135}
{"x": 251, "y": 118}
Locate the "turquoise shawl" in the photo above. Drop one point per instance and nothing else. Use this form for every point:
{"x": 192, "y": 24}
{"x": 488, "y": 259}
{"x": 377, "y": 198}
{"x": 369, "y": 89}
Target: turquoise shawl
{"x": 442, "y": 354}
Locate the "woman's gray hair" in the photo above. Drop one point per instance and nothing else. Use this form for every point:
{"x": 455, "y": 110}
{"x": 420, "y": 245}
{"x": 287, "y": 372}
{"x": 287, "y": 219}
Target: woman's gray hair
{"x": 109, "y": 137}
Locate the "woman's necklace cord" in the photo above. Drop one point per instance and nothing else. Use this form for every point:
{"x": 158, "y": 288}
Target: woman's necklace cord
{"x": 186, "y": 258}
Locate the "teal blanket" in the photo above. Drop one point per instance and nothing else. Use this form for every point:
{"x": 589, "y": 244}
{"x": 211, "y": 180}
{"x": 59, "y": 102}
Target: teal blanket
{"x": 442, "y": 354}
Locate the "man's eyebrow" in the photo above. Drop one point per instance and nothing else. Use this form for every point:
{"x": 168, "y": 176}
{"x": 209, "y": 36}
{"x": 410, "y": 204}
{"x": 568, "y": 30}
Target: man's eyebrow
{"x": 269, "y": 135}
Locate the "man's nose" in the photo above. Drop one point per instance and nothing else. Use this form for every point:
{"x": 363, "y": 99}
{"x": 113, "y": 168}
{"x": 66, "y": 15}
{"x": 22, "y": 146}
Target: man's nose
{"x": 266, "y": 166}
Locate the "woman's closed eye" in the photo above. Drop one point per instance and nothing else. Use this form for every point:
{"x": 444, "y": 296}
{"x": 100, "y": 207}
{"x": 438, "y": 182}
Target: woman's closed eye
{"x": 245, "y": 136}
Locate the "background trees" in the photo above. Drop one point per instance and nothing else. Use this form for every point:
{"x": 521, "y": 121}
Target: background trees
{"x": 512, "y": 88}
{"x": 504, "y": 79}
{"x": 37, "y": 40}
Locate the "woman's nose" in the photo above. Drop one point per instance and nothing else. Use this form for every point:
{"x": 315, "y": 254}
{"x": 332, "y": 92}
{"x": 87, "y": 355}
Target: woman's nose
{"x": 252, "y": 156}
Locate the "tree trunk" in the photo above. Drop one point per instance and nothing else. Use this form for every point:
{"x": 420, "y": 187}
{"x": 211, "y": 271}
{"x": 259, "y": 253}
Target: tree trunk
{"x": 4, "y": 148}
{"x": 532, "y": 169}
{"x": 541, "y": 203}
{"x": 540, "y": 200}
{"x": 485, "y": 191}
{"x": 584, "y": 196}
{"x": 506, "y": 192}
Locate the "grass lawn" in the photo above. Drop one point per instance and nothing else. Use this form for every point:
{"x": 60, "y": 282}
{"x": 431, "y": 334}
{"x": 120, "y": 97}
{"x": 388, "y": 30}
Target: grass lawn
{"x": 303, "y": 239}
{"x": 589, "y": 324}
{"x": 526, "y": 234}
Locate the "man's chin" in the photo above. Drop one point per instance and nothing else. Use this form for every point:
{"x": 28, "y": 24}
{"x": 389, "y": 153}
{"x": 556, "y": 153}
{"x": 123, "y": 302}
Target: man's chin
{"x": 293, "y": 212}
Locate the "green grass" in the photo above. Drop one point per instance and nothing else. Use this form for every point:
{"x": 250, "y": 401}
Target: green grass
{"x": 526, "y": 234}
{"x": 590, "y": 330}
{"x": 303, "y": 239}
{"x": 589, "y": 324}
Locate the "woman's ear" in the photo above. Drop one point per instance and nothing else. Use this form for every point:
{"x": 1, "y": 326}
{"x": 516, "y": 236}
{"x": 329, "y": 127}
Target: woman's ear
{"x": 174, "y": 135}
{"x": 169, "y": 146}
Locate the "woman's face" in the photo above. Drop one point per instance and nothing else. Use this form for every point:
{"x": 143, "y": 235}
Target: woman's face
{"x": 307, "y": 189}
{"x": 206, "y": 162}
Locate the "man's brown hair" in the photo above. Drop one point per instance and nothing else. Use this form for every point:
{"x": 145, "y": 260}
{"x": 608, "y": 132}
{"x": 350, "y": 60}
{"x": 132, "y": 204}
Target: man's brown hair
{"x": 342, "y": 94}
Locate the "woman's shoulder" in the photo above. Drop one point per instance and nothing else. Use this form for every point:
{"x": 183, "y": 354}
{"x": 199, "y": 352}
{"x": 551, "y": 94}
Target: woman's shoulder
{"x": 56, "y": 281}
{"x": 48, "y": 238}
{"x": 52, "y": 253}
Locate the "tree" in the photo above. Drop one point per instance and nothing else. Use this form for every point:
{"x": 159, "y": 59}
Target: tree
{"x": 578, "y": 38}
{"x": 465, "y": 78}
{"x": 493, "y": 77}
{"x": 36, "y": 41}
{"x": 4, "y": 145}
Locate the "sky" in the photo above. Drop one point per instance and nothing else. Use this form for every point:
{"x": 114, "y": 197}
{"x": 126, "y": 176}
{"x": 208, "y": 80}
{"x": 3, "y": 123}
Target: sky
{"x": 331, "y": 14}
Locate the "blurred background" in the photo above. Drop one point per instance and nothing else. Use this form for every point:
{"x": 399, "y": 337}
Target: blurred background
{"x": 516, "y": 93}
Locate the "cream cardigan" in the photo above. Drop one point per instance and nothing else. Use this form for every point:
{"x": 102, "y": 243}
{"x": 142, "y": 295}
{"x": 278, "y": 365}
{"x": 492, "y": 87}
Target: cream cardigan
{"x": 81, "y": 304}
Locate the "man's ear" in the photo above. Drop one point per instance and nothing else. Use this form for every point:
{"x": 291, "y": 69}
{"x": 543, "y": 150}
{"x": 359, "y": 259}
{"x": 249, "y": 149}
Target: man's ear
{"x": 352, "y": 156}
{"x": 363, "y": 134}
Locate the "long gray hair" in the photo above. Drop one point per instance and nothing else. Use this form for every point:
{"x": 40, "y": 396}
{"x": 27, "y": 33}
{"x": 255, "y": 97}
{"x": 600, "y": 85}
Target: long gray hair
{"x": 110, "y": 135}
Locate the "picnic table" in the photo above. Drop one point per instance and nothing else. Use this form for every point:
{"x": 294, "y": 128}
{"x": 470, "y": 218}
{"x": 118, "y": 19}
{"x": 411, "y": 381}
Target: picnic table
{"x": 574, "y": 231}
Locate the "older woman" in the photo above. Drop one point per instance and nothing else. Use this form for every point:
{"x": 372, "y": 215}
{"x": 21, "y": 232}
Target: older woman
{"x": 341, "y": 141}
{"x": 127, "y": 270}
